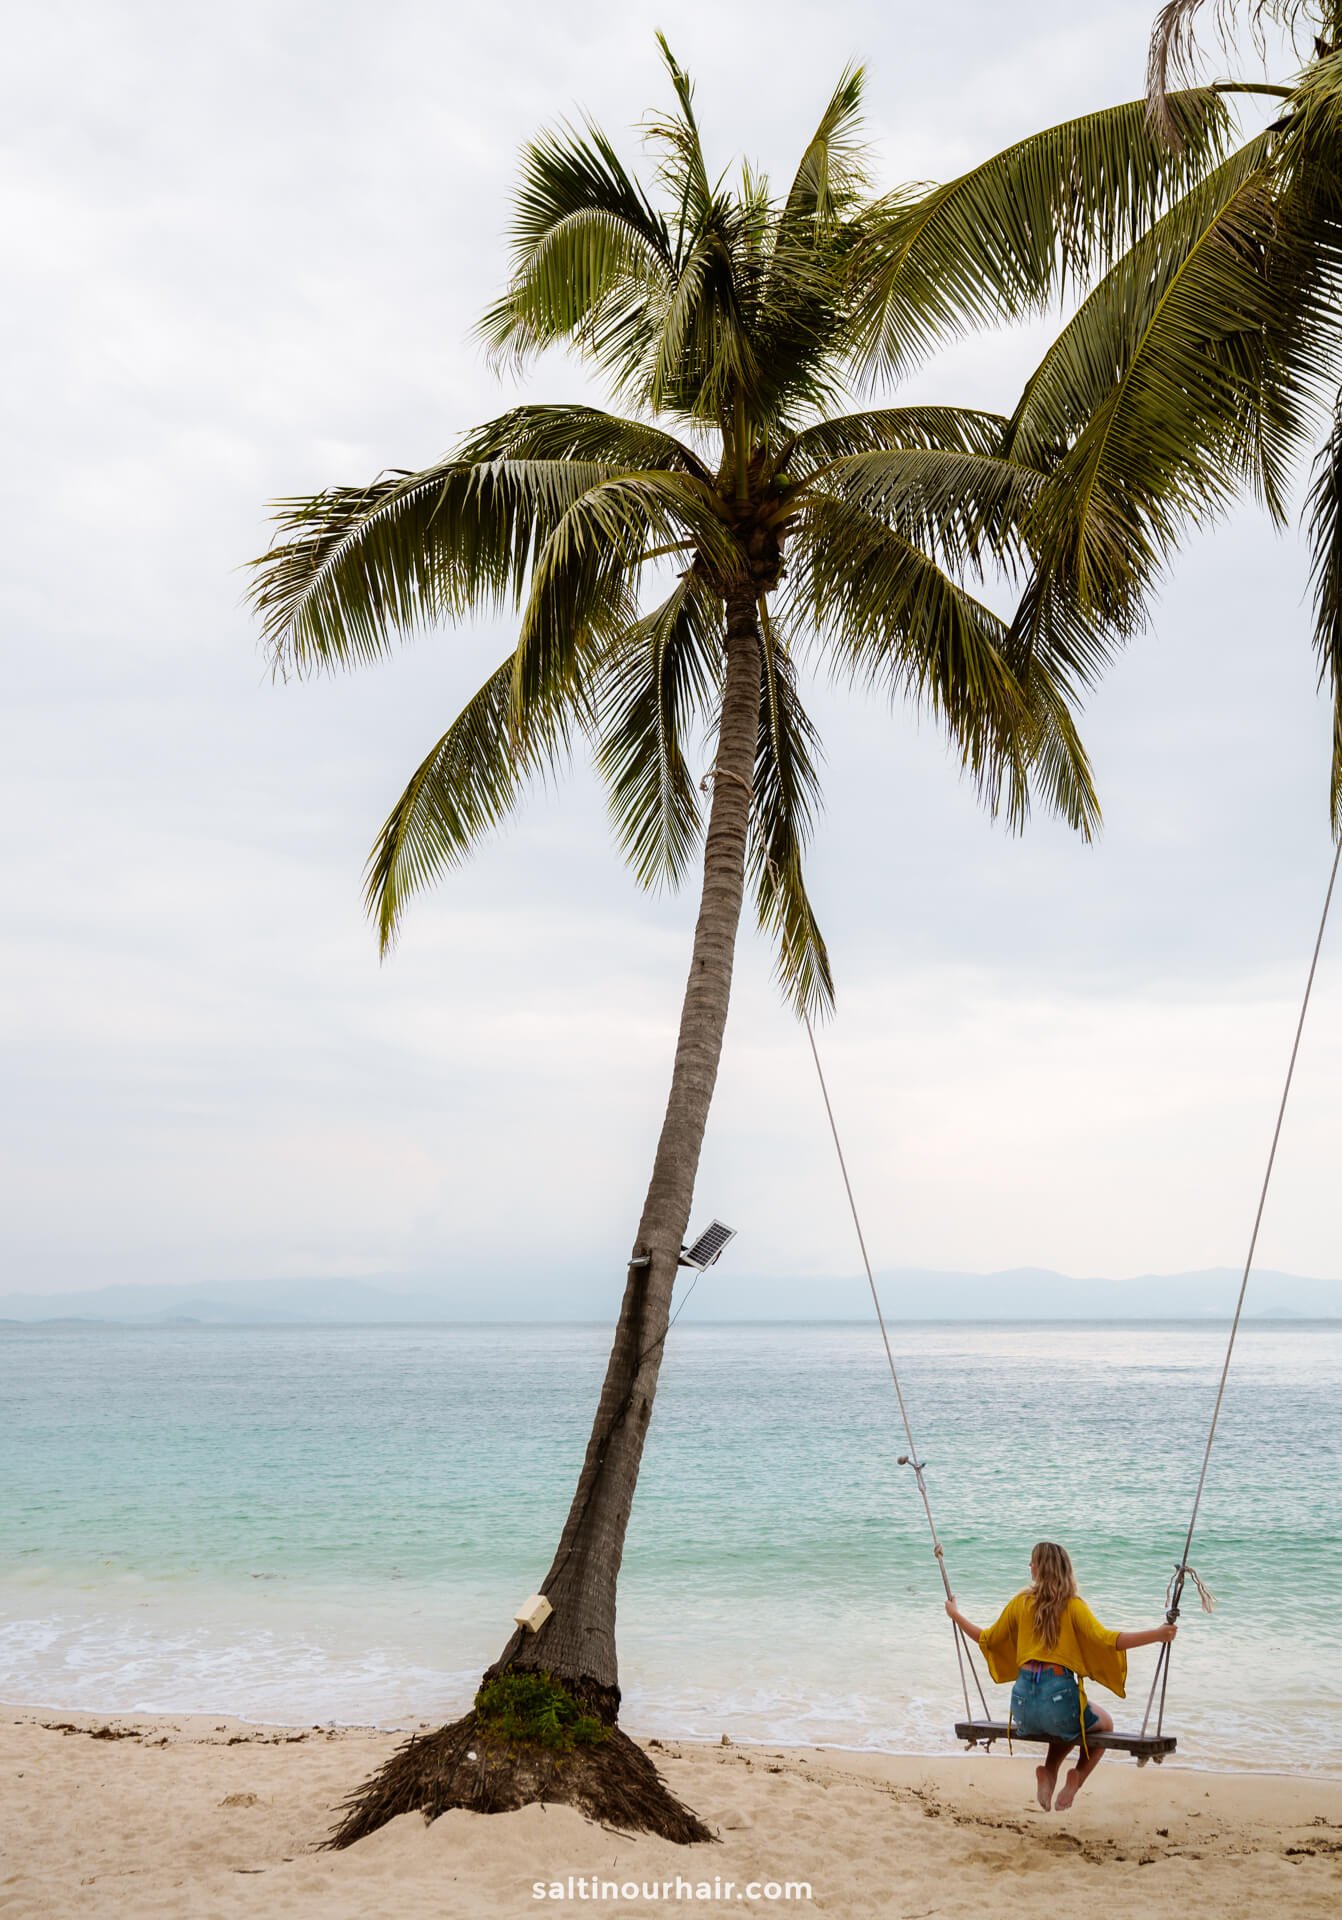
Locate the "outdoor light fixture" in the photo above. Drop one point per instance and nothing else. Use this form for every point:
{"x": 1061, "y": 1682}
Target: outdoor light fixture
{"x": 699, "y": 1254}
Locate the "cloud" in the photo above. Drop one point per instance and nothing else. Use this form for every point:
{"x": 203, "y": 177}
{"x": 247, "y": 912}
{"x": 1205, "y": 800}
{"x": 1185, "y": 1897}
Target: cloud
{"x": 248, "y": 251}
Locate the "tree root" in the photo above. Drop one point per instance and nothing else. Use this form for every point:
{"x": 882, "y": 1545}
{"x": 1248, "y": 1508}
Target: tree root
{"x": 613, "y": 1782}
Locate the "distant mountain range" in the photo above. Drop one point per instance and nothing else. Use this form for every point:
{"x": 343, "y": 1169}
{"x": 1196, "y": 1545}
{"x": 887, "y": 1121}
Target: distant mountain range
{"x": 1022, "y": 1293}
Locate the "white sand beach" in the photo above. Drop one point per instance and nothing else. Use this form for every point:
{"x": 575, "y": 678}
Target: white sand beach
{"x": 201, "y": 1817}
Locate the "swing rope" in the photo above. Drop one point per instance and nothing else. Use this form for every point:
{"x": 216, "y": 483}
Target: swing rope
{"x": 963, "y": 1655}
{"x": 1183, "y": 1571}
{"x": 910, "y": 1459}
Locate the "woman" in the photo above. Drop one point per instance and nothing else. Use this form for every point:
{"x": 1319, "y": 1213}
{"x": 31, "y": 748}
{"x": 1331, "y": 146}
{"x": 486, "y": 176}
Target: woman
{"x": 1048, "y": 1642}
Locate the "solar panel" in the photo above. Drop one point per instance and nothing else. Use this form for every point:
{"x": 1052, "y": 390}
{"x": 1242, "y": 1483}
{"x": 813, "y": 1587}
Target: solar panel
{"x": 704, "y": 1251}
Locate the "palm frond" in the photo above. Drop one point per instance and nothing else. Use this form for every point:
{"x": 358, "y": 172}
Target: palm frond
{"x": 759, "y": 312}
{"x": 801, "y": 322}
{"x": 1048, "y": 758}
{"x": 581, "y": 586}
{"x": 585, "y": 434}
{"x": 353, "y": 567}
{"x": 787, "y": 798}
{"x": 586, "y": 242}
{"x": 1173, "y": 52}
{"x": 1324, "y": 513}
{"x": 661, "y": 674}
{"x": 1182, "y": 376}
{"x": 1008, "y": 236}
{"x": 1312, "y": 120}
{"x": 963, "y": 509}
{"x": 1097, "y": 345}
{"x": 832, "y": 172}
{"x": 893, "y": 620}
{"x": 1050, "y": 624}
{"x": 348, "y": 570}
{"x": 682, "y": 316}
{"x": 466, "y": 784}
{"x": 683, "y": 171}
{"x": 886, "y": 430}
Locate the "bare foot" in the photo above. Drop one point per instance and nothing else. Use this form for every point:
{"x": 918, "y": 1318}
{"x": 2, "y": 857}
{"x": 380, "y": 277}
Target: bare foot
{"x": 1044, "y": 1783}
{"x": 1071, "y": 1787}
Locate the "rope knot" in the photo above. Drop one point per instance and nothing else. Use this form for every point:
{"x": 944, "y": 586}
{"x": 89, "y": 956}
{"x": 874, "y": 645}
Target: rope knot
{"x": 1184, "y": 1572}
{"x": 725, "y": 773}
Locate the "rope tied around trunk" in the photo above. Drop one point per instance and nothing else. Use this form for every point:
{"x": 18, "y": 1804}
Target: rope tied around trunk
{"x": 725, "y": 773}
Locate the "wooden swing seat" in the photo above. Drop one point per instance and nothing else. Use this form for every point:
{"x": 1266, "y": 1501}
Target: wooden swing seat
{"x": 1142, "y": 1746}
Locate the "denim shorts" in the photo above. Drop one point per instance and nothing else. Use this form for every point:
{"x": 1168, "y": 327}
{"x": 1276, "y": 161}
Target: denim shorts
{"x": 1048, "y": 1703}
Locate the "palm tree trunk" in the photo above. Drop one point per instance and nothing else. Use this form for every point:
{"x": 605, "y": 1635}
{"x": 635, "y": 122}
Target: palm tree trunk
{"x": 613, "y": 1781}
{"x": 577, "y": 1642}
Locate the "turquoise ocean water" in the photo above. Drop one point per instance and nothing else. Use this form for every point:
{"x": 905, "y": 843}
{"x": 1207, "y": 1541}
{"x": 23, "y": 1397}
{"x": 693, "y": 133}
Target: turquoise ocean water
{"x": 334, "y": 1524}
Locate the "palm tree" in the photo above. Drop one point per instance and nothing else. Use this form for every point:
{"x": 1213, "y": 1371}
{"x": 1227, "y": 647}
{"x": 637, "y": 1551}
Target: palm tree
{"x": 668, "y": 565}
{"x": 1204, "y": 363}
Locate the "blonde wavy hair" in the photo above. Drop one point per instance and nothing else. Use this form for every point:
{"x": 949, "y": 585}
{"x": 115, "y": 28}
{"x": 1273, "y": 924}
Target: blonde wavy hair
{"x": 1054, "y": 1584}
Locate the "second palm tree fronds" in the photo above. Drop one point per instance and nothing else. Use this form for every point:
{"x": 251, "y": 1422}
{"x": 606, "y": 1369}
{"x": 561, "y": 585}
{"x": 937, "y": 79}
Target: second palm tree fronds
{"x": 1206, "y": 363}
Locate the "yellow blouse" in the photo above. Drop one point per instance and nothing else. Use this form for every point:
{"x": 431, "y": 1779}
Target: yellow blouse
{"x": 1082, "y": 1644}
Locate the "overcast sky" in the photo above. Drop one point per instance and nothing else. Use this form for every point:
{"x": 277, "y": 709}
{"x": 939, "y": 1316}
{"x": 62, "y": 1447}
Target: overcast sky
{"x": 246, "y": 248}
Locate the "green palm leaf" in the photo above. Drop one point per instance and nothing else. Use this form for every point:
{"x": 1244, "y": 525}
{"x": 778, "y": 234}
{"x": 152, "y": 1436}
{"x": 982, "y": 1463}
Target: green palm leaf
{"x": 355, "y": 566}
{"x": 787, "y": 798}
{"x": 832, "y": 172}
{"x": 586, "y": 243}
{"x": 895, "y": 621}
{"x": 1325, "y": 523}
{"x": 1178, "y": 379}
{"x": 468, "y": 782}
{"x": 887, "y": 430}
{"x": 1009, "y": 235}
{"x": 1096, "y": 348}
{"x": 892, "y": 619}
{"x": 582, "y": 434}
{"x": 663, "y": 673}
{"x": 580, "y": 594}
{"x": 962, "y": 509}
{"x": 683, "y": 171}
{"x": 1049, "y": 758}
